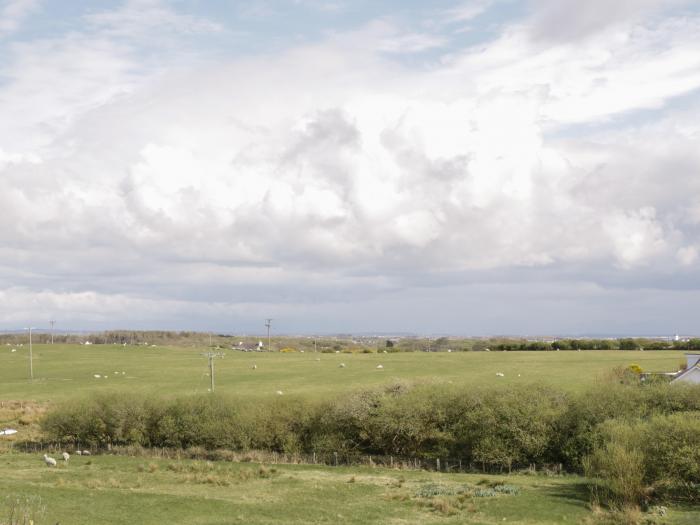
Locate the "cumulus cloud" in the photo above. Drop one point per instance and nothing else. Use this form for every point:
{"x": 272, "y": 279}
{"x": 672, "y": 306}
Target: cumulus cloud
{"x": 13, "y": 14}
{"x": 334, "y": 174}
{"x": 571, "y": 20}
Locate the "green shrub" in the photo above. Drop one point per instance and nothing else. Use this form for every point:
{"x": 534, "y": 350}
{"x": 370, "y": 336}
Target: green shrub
{"x": 630, "y": 459}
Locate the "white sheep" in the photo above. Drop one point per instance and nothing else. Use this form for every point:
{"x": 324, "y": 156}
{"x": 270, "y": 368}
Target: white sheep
{"x": 66, "y": 456}
{"x": 380, "y": 367}
{"x": 50, "y": 462}
{"x": 341, "y": 365}
{"x": 279, "y": 393}
{"x": 500, "y": 374}
{"x": 254, "y": 367}
{"x": 79, "y": 452}
{"x": 86, "y": 452}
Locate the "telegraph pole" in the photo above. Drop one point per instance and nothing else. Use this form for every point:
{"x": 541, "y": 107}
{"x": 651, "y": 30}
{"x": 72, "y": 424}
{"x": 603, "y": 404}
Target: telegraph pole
{"x": 268, "y": 323}
{"x": 31, "y": 356}
{"x": 211, "y": 356}
{"x": 52, "y": 323}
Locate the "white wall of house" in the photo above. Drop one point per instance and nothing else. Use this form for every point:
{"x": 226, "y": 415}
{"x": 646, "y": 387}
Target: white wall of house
{"x": 692, "y": 360}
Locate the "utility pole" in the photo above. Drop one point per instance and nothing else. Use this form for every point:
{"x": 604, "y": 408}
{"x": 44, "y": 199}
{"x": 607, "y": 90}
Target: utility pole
{"x": 52, "y": 323}
{"x": 268, "y": 323}
{"x": 211, "y": 356}
{"x": 31, "y": 356}
{"x": 209, "y": 339}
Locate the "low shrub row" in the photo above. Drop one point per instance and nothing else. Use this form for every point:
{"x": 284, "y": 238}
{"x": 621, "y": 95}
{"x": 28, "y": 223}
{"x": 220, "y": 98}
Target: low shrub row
{"x": 503, "y": 427}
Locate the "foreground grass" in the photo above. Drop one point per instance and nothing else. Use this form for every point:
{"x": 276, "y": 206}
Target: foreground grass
{"x": 121, "y": 490}
{"x": 63, "y": 371}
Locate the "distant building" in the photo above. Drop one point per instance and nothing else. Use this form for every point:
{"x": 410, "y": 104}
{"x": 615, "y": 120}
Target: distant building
{"x": 691, "y": 374}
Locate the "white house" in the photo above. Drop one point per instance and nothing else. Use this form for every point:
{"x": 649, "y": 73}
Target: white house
{"x": 691, "y": 374}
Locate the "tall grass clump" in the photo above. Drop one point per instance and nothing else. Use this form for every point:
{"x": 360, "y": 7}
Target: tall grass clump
{"x": 21, "y": 510}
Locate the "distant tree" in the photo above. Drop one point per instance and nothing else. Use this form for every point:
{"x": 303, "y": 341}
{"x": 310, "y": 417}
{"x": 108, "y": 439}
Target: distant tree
{"x": 628, "y": 344}
{"x": 441, "y": 343}
{"x": 694, "y": 344}
{"x": 389, "y": 343}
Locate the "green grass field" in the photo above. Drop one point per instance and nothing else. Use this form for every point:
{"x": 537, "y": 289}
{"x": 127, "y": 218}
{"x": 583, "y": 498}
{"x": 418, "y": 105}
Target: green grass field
{"x": 121, "y": 490}
{"x": 65, "y": 371}
{"x": 124, "y": 490}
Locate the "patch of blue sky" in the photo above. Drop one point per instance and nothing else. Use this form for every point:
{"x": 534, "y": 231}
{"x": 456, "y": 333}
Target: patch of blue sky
{"x": 56, "y": 19}
{"x": 626, "y": 120}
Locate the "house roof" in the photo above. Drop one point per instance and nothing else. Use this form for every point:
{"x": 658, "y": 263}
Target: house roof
{"x": 686, "y": 372}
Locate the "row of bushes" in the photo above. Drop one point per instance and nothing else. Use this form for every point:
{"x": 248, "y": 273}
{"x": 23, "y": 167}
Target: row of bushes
{"x": 504, "y": 427}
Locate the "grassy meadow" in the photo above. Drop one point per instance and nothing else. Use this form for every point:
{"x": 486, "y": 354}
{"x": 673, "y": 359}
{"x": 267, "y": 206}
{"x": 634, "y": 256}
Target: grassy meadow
{"x": 68, "y": 371}
{"x": 148, "y": 490}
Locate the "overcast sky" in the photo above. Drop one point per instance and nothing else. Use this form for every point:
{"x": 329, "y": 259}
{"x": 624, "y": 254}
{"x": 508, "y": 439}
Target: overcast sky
{"x": 479, "y": 167}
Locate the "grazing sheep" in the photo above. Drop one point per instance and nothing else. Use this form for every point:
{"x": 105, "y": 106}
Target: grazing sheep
{"x": 341, "y": 365}
{"x": 380, "y": 367}
{"x": 254, "y": 367}
{"x": 97, "y": 376}
{"x": 66, "y": 456}
{"x": 50, "y": 462}
{"x": 79, "y": 452}
{"x": 500, "y": 374}
{"x": 279, "y": 393}
{"x": 86, "y": 452}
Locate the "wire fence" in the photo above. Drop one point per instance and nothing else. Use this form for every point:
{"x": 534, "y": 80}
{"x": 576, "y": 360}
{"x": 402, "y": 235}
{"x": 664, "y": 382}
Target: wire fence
{"x": 326, "y": 458}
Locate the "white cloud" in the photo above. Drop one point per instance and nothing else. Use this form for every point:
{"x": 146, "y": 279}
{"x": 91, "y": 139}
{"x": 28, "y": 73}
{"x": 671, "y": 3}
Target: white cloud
{"x": 330, "y": 171}
{"x": 688, "y": 255}
{"x": 13, "y": 14}
{"x": 148, "y": 19}
{"x": 466, "y": 11}
{"x": 572, "y": 20}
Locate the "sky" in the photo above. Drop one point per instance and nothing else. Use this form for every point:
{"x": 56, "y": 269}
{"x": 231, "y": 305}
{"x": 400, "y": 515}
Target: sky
{"x": 477, "y": 167}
